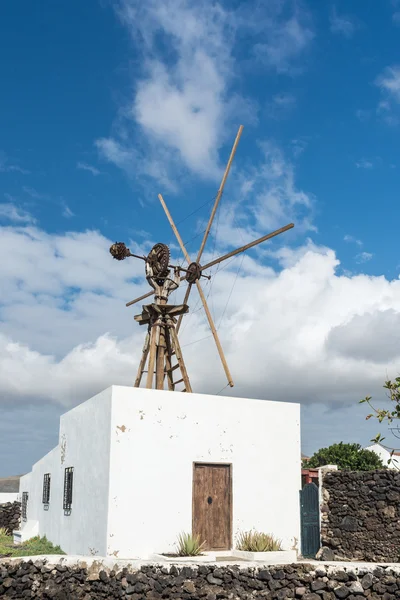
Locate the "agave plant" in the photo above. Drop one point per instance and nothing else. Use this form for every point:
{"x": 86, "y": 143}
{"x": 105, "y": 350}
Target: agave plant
{"x": 256, "y": 541}
{"x": 189, "y": 545}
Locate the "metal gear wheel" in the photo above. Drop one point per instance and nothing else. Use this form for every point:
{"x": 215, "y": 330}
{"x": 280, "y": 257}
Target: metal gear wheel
{"x": 158, "y": 260}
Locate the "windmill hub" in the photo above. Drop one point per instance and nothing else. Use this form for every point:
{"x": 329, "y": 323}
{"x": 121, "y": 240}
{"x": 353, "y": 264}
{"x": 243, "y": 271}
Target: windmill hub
{"x": 193, "y": 272}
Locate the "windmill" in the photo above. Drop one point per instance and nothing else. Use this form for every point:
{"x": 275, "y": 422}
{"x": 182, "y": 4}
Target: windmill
{"x": 161, "y": 347}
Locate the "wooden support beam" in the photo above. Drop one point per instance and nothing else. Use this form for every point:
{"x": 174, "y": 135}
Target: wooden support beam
{"x": 160, "y": 361}
{"x": 177, "y": 348}
{"x": 247, "y": 246}
{"x": 168, "y": 361}
{"x": 142, "y": 363}
{"x": 152, "y": 357}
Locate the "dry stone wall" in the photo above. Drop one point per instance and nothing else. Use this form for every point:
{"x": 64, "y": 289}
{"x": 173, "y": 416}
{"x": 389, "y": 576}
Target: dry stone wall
{"x": 10, "y": 515}
{"x": 360, "y": 515}
{"x": 36, "y": 579}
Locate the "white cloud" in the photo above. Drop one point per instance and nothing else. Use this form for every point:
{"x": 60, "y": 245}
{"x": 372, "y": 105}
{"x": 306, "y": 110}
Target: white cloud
{"x": 60, "y": 295}
{"x": 363, "y": 115}
{"x": 342, "y": 24}
{"x": 352, "y": 239}
{"x": 114, "y": 153}
{"x": 284, "y": 99}
{"x": 269, "y": 197}
{"x": 285, "y": 44}
{"x": 287, "y": 34}
{"x": 363, "y": 257}
{"x": 179, "y": 102}
{"x": 281, "y": 105}
{"x": 67, "y": 212}
{"x": 389, "y": 81}
{"x": 34, "y": 193}
{"x": 5, "y": 165}
{"x": 263, "y": 197}
{"x": 183, "y": 106}
{"x": 363, "y": 163}
{"x": 389, "y": 84}
{"x": 371, "y": 336}
{"x": 10, "y": 212}
{"x": 85, "y": 167}
{"x": 298, "y": 146}
{"x": 62, "y": 282}
{"x": 396, "y": 18}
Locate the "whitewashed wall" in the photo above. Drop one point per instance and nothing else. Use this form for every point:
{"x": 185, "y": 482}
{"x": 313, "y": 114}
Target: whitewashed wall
{"x": 133, "y": 451}
{"x": 8, "y": 497}
{"x": 84, "y": 444}
{"x": 155, "y": 438}
{"x": 384, "y": 455}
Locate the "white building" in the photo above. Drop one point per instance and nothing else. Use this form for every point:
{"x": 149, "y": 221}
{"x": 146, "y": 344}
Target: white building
{"x": 136, "y": 467}
{"x": 9, "y": 489}
{"x": 384, "y": 455}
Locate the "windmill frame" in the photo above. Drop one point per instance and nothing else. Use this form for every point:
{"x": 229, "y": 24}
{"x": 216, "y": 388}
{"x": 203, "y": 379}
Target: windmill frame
{"x": 163, "y": 320}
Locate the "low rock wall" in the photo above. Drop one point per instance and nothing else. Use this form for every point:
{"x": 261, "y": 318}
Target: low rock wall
{"x": 10, "y": 515}
{"x": 360, "y": 515}
{"x": 38, "y": 579}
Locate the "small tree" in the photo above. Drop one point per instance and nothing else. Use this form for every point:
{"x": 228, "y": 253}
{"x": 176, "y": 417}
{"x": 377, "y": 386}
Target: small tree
{"x": 346, "y": 456}
{"x": 386, "y": 415}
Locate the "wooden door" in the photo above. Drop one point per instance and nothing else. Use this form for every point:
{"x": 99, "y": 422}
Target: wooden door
{"x": 212, "y": 505}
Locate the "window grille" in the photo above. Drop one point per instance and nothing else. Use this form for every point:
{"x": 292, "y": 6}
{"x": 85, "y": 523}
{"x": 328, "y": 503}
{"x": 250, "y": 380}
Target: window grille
{"x": 68, "y": 481}
{"x": 24, "y": 506}
{"x": 46, "y": 488}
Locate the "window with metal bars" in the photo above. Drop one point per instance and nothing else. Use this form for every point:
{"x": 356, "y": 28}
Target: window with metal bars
{"x": 24, "y": 506}
{"x": 46, "y": 488}
{"x": 68, "y": 483}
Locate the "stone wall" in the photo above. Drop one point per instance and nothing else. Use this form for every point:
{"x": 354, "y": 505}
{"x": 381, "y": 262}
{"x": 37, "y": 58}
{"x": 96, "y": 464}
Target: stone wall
{"x": 10, "y": 515}
{"x": 36, "y": 579}
{"x": 360, "y": 515}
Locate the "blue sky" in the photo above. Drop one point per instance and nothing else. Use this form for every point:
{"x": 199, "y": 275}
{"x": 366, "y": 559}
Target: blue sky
{"x": 105, "y": 104}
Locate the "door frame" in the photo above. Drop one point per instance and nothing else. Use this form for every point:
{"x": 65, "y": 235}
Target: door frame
{"x": 230, "y": 493}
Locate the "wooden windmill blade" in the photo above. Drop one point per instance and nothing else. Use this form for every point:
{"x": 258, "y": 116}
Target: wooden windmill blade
{"x": 213, "y": 212}
{"x": 248, "y": 246}
{"x": 201, "y": 293}
{"x": 219, "y": 195}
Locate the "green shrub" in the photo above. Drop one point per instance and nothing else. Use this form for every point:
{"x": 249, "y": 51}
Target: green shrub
{"x": 35, "y": 546}
{"x": 189, "y": 545}
{"x": 255, "y": 541}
